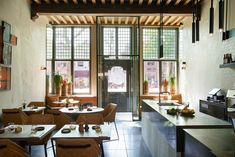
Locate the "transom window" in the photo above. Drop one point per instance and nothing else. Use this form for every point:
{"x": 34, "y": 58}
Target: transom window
{"x": 68, "y": 54}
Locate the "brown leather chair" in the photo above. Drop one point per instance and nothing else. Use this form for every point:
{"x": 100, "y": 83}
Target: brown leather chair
{"x": 15, "y": 116}
{"x": 60, "y": 118}
{"x": 90, "y": 118}
{"x": 77, "y": 148}
{"x": 11, "y": 149}
{"x": 36, "y": 103}
{"x": 50, "y": 102}
{"x": 36, "y": 119}
{"x": 109, "y": 115}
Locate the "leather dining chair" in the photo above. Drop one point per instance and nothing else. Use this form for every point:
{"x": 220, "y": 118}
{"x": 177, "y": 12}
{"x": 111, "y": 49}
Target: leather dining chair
{"x": 109, "y": 115}
{"x": 77, "y": 148}
{"x": 11, "y": 149}
{"x": 14, "y": 115}
{"x": 90, "y": 118}
{"x": 36, "y": 119}
{"x": 36, "y": 103}
{"x": 60, "y": 118}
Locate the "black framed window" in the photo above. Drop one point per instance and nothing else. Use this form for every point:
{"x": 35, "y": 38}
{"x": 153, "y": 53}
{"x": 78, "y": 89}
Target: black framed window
{"x": 69, "y": 54}
{"x": 158, "y": 71}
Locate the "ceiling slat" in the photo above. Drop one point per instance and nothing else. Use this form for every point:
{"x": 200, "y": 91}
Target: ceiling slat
{"x": 103, "y": 1}
{"x": 55, "y": 19}
{"x": 47, "y": 1}
{"x": 105, "y": 20}
{"x": 156, "y": 19}
{"x": 177, "y": 2}
{"x": 121, "y": 1}
{"x": 113, "y": 20}
{"x": 65, "y": 1}
{"x": 37, "y": 1}
{"x": 56, "y": 1}
{"x": 84, "y": 19}
{"x": 69, "y": 19}
{"x": 179, "y": 18}
{"x": 119, "y": 20}
{"x": 62, "y": 19}
{"x": 148, "y": 20}
{"x": 150, "y": 2}
{"x": 186, "y": 2}
{"x": 140, "y": 2}
{"x": 113, "y": 2}
{"x": 91, "y": 19}
{"x": 84, "y": 1}
{"x": 93, "y": 1}
{"x": 75, "y": 1}
{"x": 131, "y": 1}
{"x": 133, "y": 20}
{"x": 77, "y": 19}
{"x": 168, "y": 1}
{"x": 171, "y": 18}
{"x": 127, "y": 20}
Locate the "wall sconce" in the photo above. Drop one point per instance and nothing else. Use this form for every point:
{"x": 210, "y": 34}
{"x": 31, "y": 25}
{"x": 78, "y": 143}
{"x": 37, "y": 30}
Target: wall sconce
{"x": 183, "y": 66}
{"x": 43, "y": 68}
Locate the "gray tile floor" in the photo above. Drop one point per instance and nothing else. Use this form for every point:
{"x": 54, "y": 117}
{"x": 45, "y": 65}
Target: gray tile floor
{"x": 130, "y": 143}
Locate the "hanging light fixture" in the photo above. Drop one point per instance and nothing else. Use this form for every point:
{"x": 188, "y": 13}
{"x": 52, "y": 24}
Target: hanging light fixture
{"x": 193, "y": 23}
{"x": 161, "y": 30}
{"x": 211, "y": 25}
{"x": 225, "y": 30}
{"x": 197, "y": 22}
{"x": 221, "y": 15}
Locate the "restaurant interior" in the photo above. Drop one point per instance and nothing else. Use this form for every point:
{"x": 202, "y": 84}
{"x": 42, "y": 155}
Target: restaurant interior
{"x": 117, "y": 78}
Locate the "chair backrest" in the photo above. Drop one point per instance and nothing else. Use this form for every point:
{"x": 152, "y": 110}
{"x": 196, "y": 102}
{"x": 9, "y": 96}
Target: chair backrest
{"x": 36, "y": 103}
{"x": 91, "y": 118}
{"x": 77, "y": 148}
{"x": 11, "y": 149}
{"x": 233, "y": 122}
{"x": 41, "y": 119}
{"x": 60, "y": 118}
{"x": 15, "y": 116}
{"x": 51, "y": 99}
{"x": 109, "y": 112}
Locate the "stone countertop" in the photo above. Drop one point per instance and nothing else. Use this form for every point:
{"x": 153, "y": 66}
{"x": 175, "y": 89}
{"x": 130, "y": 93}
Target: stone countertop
{"x": 199, "y": 120}
{"x": 221, "y": 142}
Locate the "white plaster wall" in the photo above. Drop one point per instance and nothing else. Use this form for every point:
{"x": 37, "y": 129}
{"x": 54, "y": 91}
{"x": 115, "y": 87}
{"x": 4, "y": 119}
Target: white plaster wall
{"x": 203, "y": 59}
{"x": 28, "y": 81}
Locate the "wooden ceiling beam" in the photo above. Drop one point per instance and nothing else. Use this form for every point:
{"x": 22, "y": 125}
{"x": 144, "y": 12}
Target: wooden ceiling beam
{"x": 131, "y": 1}
{"x": 103, "y": 1}
{"x": 133, "y": 20}
{"x": 56, "y": 1}
{"x": 93, "y": 1}
{"x": 69, "y": 19}
{"x": 37, "y": 1}
{"x": 71, "y": 8}
{"x": 186, "y": 2}
{"x": 47, "y": 1}
{"x": 113, "y": 19}
{"x": 84, "y": 19}
{"x": 127, "y": 20}
{"x": 156, "y": 19}
{"x": 65, "y": 1}
{"x": 180, "y": 18}
{"x": 91, "y": 19}
{"x": 112, "y": 2}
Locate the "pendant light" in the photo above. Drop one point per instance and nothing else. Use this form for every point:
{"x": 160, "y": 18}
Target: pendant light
{"x": 225, "y": 30}
{"x": 221, "y": 15}
{"x": 197, "y": 22}
{"x": 161, "y": 31}
{"x": 211, "y": 25}
{"x": 193, "y": 23}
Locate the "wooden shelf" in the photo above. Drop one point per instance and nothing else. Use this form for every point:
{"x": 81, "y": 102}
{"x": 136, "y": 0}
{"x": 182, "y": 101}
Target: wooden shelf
{"x": 228, "y": 65}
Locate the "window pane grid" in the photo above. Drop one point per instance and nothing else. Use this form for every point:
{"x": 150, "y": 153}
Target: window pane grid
{"x": 124, "y": 45}
{"x": 109, "y": 41}
{"x": 49, "y": 42}
{"x": 81, "y": 43}
{"x": 150, "y": 43}
{"x": 63, "y": 43}
{"x": 169, "y": 43}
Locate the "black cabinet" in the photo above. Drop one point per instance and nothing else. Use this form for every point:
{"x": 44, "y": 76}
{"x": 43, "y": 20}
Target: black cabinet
{"x": 214, "y": 108}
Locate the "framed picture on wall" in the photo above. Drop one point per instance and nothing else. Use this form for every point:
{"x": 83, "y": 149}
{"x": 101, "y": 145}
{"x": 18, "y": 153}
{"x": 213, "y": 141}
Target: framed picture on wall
{"x": 5, "y": 78}
{"x": 7, "y": 53}
{"x": 6, "y": 32}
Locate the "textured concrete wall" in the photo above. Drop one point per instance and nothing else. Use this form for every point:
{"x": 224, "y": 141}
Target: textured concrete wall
{"x": 28, "y": 81}
{"x": 203, "y": 59}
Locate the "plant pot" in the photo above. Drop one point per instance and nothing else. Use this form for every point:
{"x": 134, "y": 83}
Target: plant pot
{"x": 58, "y": 91}
{"x": 64, "y": 90}
{"x": 172, "y": 90}
{"x": 145, "y": 88}
{"x": 70, "y": 88}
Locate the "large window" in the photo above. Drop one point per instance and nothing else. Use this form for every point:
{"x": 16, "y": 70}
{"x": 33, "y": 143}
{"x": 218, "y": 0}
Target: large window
{"x": 68, "y": 54}
{"x": 158, "y": 71}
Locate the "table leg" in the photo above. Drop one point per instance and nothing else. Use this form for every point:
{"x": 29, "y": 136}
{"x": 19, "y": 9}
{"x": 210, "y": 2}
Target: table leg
{"x": 53, "y": 149}
{"x": 102, "y": 149}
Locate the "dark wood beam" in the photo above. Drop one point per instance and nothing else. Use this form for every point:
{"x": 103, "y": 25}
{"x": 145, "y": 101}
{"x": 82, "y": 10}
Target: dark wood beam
{"x": 107, "y": 8}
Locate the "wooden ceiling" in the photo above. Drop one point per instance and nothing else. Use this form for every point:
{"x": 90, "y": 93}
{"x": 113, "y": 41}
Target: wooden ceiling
{"x": 118, "y": 12}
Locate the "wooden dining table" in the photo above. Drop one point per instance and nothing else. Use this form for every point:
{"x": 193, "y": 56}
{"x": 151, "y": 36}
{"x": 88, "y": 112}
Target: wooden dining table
{"x": 74, "y": 133}
{"x": 33, "y": 109}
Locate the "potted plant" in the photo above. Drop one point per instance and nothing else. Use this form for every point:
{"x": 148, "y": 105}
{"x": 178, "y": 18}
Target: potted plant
{"x": 145, "y": 87}
{"x": 165, "y": 85}
{"x": 172, "y": 85}
{"x": 57, "y": 83}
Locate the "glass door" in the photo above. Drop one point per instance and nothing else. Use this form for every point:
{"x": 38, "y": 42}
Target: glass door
{"x": 118, "y": 66}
